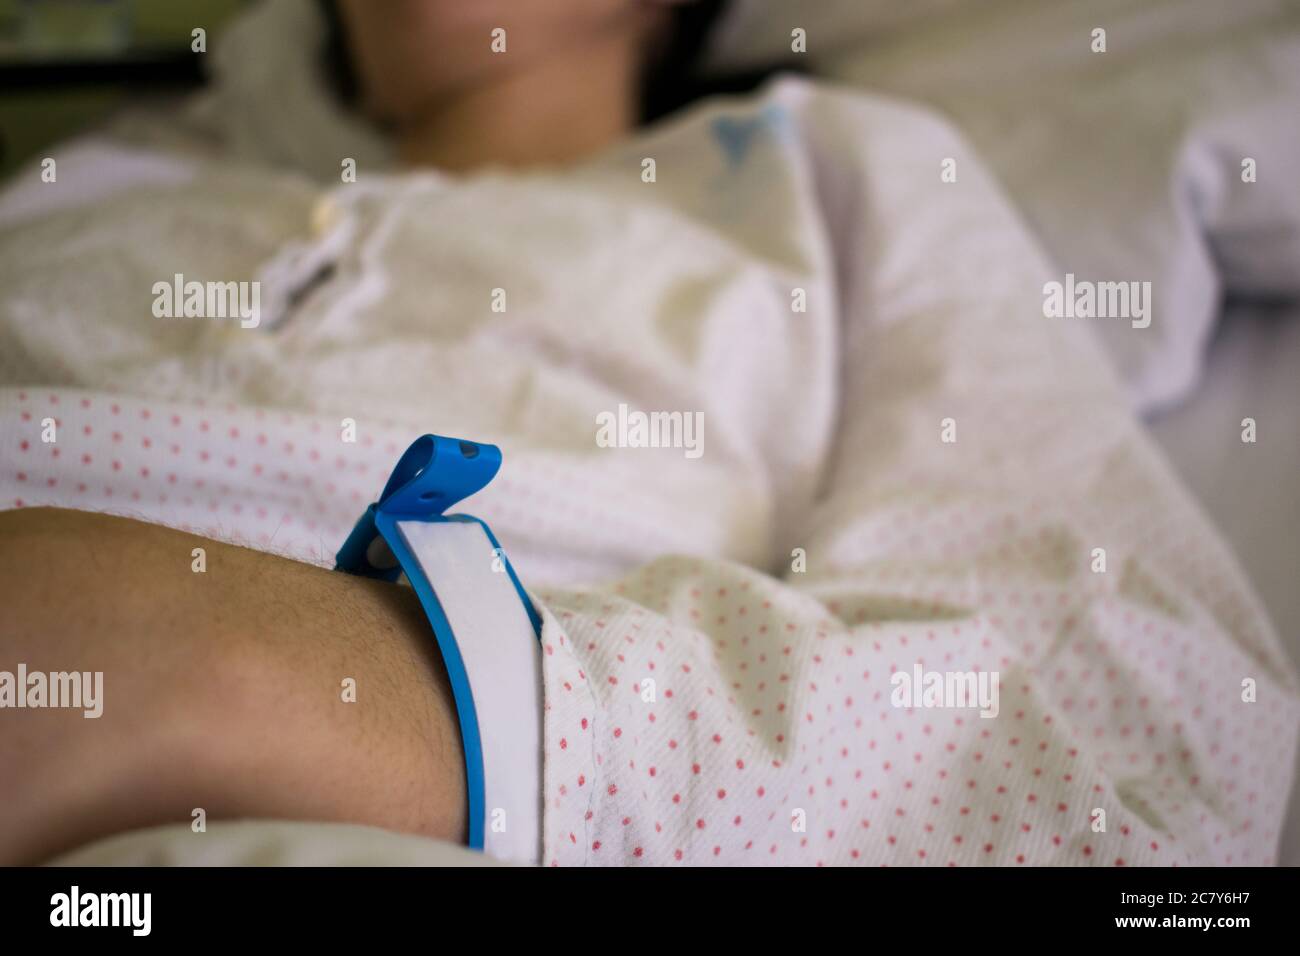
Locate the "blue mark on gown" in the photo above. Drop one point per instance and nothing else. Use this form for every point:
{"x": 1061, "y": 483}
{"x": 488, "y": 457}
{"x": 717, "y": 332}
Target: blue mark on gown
{"x": 737, "y": 134}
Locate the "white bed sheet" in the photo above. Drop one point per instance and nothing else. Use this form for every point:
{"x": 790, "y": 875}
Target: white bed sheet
{"x": 1252, "y": 492}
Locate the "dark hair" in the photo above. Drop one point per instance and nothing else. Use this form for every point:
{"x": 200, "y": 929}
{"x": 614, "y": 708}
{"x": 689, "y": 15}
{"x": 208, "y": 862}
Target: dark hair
{"x": 670, "y": 81}
{"x": 675, "y": 78}
{"x": 672, "y": 78}
{"x": 335, "y": 58}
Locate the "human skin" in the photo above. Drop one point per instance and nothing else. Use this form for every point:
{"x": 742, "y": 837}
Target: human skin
{"x": 565, "y": 86}
{"x": 222, "y": 689}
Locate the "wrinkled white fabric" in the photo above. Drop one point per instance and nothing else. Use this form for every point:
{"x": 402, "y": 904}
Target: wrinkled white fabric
{"x": 1127, "y": 163}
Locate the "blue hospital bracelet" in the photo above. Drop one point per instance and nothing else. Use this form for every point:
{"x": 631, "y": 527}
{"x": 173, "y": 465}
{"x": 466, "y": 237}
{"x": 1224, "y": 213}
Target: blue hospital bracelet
{"x": 486, "y": 627}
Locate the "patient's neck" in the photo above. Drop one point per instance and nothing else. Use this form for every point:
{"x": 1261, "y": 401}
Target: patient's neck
{"x": 554, "y": 111}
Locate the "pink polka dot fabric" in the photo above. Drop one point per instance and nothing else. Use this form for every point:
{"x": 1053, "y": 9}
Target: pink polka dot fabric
{"x": 273, "y": 481}
{"x": 704, "y": 714}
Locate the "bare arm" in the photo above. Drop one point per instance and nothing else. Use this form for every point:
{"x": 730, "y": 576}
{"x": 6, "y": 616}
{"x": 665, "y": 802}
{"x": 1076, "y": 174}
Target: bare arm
{"x": 222, "y": 690}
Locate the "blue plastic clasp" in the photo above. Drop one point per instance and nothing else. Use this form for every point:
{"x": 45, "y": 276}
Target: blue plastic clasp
{"x": 434, "y": 474}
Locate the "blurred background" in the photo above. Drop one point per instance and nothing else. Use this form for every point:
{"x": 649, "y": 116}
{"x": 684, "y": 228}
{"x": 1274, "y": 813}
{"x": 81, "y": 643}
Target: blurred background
{"x": 66, "y": 64}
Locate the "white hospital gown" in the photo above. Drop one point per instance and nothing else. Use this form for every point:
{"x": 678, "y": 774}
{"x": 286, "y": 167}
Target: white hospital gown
{"x": 720, "y": 632}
